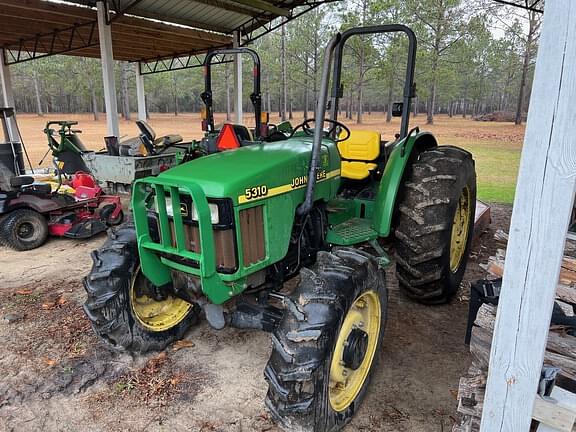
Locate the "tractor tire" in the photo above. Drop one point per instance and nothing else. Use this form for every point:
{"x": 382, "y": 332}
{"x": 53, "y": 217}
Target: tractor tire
{"x": 435, "y": 222}
{"x": 23, "y": 229}
{"x": 113, "y": 305}
{"x": 321, "y": 340}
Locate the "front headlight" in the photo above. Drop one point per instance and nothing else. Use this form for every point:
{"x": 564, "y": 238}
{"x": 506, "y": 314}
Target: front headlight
{"x": 169, "y": 208}
{"x": 214, "y": 215}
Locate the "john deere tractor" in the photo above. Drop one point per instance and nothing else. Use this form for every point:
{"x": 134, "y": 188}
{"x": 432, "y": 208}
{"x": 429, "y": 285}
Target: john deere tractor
{"x": 220, "y": 235}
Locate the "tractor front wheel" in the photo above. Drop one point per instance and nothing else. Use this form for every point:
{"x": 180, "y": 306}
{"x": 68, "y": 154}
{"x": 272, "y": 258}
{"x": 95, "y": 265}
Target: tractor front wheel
{"x": 326, "y": 346}
{"x": 126, "y": 311}
{"x": 23, "y": 229}
{"x": 435, "y": 221}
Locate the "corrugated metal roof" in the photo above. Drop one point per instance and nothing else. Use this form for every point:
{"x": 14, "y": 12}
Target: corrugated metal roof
{"x": 223, "y": 16}
{"x": 142, "y": 30}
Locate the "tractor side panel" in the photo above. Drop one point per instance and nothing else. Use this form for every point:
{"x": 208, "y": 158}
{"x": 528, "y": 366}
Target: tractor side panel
{"x": 392, "y": 179}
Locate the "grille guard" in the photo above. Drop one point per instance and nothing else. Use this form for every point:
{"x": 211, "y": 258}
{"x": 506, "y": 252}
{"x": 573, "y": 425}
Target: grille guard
{"x": 157, "y": 268}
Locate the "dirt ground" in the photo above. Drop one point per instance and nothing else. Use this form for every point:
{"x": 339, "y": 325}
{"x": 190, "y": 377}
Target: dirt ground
{"x": 454, "y": 130}
{"x": 56, "y": 376}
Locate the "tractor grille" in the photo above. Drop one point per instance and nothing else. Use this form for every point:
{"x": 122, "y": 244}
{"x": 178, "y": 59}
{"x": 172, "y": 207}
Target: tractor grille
{"x": 224, "y": 244}
{"x": 252, "y": 233}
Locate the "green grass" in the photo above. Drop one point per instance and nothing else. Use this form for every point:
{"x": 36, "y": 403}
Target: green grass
{"x": 496, "y": 169}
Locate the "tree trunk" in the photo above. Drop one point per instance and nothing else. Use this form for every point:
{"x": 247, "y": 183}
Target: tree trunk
{"x": 290, "y": 113}
{"x": 268, "y": 93}
{"x": 94, "y": 98}
{"x": 175, "y": 94}
{"x": 284, "y": 91}
{"x": 306, "y": 92}
{"x": 389, "y": 103}
{"x": 228, "y": 99}
{"x": 37, "y": 91}
{"x": 124, "y": 95}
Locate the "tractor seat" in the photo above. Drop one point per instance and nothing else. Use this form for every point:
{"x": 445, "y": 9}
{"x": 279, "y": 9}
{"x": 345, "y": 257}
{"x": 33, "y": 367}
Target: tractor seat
{"x": 359, "y": 153}
{"x": 148, "y": 132}
{"x": 169, "y": 140}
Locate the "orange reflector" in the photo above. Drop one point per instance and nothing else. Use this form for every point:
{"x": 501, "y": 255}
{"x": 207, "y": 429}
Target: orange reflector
{"x": 264, "y": 117}
{"x": 227, "y": 139}
{"x": 203, "y": 113}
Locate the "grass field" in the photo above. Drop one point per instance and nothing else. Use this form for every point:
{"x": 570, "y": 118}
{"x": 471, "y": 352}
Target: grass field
{"x": 495, "y": 146}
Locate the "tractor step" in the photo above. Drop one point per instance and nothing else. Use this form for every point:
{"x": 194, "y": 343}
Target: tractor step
{"x": 351, "y": 232}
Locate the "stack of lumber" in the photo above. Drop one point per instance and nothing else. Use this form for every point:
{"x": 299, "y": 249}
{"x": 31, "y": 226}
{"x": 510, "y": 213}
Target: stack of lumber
{"x": 560, "y": 351}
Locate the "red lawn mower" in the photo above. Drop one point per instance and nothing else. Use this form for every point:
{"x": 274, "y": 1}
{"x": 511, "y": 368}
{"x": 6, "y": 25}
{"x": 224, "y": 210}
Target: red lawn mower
{"x": 31, "y": 211}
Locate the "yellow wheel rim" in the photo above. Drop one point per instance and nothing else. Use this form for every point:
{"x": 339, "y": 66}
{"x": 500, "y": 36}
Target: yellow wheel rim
{"x": 347, "y": 378}
{"x": 460, "y": 228}
{"x": 156, "y": 315}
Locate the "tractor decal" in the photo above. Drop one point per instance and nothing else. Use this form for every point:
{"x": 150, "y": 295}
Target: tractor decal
{"x": 252, "y": 194}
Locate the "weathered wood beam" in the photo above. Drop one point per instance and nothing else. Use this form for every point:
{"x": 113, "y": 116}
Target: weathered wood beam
{"x": 542, "y": 208}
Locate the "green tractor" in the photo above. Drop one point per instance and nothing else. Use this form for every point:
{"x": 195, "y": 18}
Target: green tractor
{"x": 220, "y": 235}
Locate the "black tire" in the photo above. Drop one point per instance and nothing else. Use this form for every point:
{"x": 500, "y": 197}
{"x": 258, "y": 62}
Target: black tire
{"x": 106, "y": 215}
{"x": 108, "y": 305}
{"x": 426, "y": 210}
{"x": 23, "y": 229}
{"x": 303, "y": 344}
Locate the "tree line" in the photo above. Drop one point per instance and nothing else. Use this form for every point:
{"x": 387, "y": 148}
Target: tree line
{"x": 473, "y": 58}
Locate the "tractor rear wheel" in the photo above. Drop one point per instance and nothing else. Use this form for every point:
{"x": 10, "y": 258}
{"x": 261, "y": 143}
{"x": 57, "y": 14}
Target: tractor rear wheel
{"x": 326, "y": 346}
{"x": 23, "y": 229}
{"x": 126, "y": 311}
{"x": 435, "y": 221}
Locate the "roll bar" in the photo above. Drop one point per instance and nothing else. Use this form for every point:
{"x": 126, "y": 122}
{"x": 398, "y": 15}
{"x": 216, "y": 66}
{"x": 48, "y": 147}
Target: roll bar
{"x": 255, "y": 97}
{"x": 336, "y": 45}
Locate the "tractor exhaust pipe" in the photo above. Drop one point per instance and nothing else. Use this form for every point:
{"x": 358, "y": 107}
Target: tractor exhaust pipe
{"x": 306, "y": 206}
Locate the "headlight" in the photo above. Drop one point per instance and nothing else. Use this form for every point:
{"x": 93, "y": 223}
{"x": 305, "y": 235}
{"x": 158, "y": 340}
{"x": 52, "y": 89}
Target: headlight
{"x": 169, "y": 209}
{"x": 214, "y": 216}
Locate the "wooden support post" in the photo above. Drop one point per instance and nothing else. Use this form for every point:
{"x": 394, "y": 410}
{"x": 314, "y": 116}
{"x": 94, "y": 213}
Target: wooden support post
{"x": 140, "y": 94}
{"x": 107, "y": 58}
{"x": 542, "y": 207}
{"x": 238, "y": 81}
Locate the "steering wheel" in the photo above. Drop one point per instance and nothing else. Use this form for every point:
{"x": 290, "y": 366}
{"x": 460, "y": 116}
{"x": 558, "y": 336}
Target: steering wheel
{"x": 309, "y": 130}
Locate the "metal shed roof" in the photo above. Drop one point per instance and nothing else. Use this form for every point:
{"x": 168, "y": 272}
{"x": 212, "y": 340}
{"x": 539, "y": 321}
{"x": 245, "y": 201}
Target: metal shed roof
{"x": 535, "y": 5}
{"x": 142, "y": 30}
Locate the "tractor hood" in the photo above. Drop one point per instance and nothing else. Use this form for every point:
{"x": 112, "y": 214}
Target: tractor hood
{"x": 230, "y": 173}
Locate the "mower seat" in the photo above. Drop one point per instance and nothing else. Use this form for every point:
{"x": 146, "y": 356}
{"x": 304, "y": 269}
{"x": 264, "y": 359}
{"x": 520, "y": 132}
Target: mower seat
{"x": 28, "y": 184}
{"x": 358, "y": 154}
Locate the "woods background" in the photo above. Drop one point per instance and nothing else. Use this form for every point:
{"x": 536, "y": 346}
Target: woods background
{"x": 474, "y": 58}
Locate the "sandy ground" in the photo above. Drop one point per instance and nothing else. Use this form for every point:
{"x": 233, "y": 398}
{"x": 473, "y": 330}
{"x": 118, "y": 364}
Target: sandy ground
{"x": 56, "y": 376}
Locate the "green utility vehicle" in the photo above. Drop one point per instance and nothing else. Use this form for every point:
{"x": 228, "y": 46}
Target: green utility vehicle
{"x": 221, "y": 234}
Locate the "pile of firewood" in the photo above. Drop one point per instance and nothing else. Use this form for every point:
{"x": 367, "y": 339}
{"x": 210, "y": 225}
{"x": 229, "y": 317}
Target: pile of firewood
{"x": 560, "y": 351}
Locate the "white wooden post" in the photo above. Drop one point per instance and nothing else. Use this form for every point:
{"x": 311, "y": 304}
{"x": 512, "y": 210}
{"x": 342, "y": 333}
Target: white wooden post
{"x": 542, "y": 207}
{"x": 107, "y": 58}
{"x": 237, "y": 81}
{"x": 140, "y": 94}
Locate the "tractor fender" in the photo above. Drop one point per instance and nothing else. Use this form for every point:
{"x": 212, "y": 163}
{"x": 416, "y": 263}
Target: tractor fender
{"x": 403, "y": 153}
